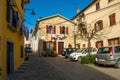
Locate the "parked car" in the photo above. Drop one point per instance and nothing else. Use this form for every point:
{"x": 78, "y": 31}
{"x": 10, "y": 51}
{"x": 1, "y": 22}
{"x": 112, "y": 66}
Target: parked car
{"x": 81, "y": 52}
{"x": 109, "y": 55}
{"x": 64, "y": 52}
{"x": 28, "y": 49}
{"x": 68, "y": 51}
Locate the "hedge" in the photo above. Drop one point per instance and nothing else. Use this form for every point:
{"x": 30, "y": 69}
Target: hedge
{"x": 87, "y": 59}
{"x": 50, "y": 53}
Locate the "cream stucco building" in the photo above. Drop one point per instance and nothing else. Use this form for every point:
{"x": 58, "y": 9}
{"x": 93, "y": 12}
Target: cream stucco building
{"x": 104, "y": 18}
{"x": 53, "y": 32}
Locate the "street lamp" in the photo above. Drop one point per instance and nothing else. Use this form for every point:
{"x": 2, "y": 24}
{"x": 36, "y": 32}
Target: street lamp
{"x": 33, "y": 12}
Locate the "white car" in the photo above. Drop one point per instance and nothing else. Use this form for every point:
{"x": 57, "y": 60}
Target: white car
{"x": 82, "y": 52}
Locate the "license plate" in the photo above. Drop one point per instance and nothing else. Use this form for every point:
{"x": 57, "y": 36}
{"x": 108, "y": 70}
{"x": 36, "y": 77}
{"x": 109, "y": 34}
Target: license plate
{"x": 101, "y": 60}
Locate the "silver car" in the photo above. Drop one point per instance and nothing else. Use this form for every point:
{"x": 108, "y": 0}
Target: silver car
{"x": 109, "y": 55}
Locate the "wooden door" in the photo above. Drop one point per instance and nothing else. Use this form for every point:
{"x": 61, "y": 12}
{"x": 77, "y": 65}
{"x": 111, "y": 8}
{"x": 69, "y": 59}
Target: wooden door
{"x": 60, "y": 47}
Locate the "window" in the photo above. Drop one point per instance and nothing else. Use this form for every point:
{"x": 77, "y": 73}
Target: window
{"x": 83, "y": 31}
{"x": 50, "y": 29}
{"x": 112, "y": 19}
{"x": 12, "y": 16}
{"x": 110, "y": 0}
{"x": 63, "y": 30}
{"x": 21, "y": 51}
{"x": 97, "y": 5}
{"x": 22, "y": 4}
{"x": 99, "y": 25}
{"x": 99, "y": 44}
{"x": 114, "y": 41}
{"x": 83, "y": 45}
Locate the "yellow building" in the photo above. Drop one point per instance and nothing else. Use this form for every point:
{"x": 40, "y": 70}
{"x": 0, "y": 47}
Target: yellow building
{"x": 12, "y": 32}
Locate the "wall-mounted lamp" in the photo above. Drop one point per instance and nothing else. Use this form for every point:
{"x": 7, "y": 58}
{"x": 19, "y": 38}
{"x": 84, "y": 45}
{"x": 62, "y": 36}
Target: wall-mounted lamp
{"x": 33, "y": 12}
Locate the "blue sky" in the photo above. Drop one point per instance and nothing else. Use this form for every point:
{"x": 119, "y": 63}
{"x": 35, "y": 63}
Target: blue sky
{"x": 44, "y": 8}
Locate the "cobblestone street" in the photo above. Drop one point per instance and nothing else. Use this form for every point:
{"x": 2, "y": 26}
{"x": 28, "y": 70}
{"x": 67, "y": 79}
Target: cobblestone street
{"x": 59, "y": 68}
{"x": 36, "y": 69}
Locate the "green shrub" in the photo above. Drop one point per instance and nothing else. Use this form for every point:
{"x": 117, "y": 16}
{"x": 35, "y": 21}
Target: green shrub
{"x": 88, "y": 59}
{"x": 50, "y": 53}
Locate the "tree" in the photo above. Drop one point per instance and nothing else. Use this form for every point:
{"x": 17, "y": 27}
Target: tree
{"x": 87, "y": 32}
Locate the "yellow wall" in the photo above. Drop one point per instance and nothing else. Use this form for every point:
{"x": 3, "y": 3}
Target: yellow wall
{"x": 8, "y": 34}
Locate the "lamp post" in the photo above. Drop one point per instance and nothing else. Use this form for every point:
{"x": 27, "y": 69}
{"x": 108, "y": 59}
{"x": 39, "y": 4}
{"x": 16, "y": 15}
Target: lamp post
{"x": 32, "y": 13}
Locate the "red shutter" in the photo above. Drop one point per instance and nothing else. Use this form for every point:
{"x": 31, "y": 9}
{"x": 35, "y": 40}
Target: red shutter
{"x": 113, "y": 19}
{"x": 54, "y": 46}
{"x": 102, "y": 43}
{"x": 101, "y": 24}
{"x": 66, "y": 30}
{"x": 54, "y": 29}
{"x": 60, "y": 30}
{"x": 46, "y": 28}
{"x": 96, "y": 44}
{"x": 44, "y": 45}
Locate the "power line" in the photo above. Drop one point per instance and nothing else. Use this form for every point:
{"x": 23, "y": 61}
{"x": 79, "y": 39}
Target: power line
{"x": 29, "y": 22}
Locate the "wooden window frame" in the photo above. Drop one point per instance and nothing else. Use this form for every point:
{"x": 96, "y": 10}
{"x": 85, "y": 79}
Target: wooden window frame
{"x": 99, "y": 42}
{"x": 99, "y": 25}
{"x": 97, "y": 6}
{"x": 110, "y": 1}
{"x": 112, "y": 41}
{"x": 112, "y": 19}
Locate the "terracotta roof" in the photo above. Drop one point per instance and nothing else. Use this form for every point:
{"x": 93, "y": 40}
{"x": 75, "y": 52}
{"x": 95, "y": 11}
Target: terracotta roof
{"x": 41, "y": 19}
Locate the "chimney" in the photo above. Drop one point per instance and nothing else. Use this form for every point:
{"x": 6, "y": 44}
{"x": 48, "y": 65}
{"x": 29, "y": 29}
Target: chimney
{"x": 78, "y": 10}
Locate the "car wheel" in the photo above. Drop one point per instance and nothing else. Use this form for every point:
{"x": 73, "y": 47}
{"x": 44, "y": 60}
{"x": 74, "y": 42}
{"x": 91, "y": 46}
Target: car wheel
{"x": 79, "y": 59}
{"x": 117, "y": 65}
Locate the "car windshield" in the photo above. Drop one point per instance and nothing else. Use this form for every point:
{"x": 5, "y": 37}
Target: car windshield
{"x": 104, "y": 50}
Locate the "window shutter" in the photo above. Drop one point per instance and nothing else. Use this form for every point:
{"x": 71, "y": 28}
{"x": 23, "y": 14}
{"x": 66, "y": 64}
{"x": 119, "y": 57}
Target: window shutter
{"x": 96, "y": 44}
{"x": 101, "y": 24}
{"x": 97, "y": 6}
{"x": 66, "y": 30}
{"x": 54, "y": 29}
{"x": 113, "y": 19}
{"x": 8, "y": 11}
{"x": 46, "y": 28}
{"x": 101, "y": 43}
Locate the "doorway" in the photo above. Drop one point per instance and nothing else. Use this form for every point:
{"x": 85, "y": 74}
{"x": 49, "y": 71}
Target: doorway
{"x": 10, "y": 57}
{"x": 60, "y": 47}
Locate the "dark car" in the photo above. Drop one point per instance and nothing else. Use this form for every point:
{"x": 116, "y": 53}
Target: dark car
{"x": 28, "y": 49}
{"x": 68, "y": 51}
